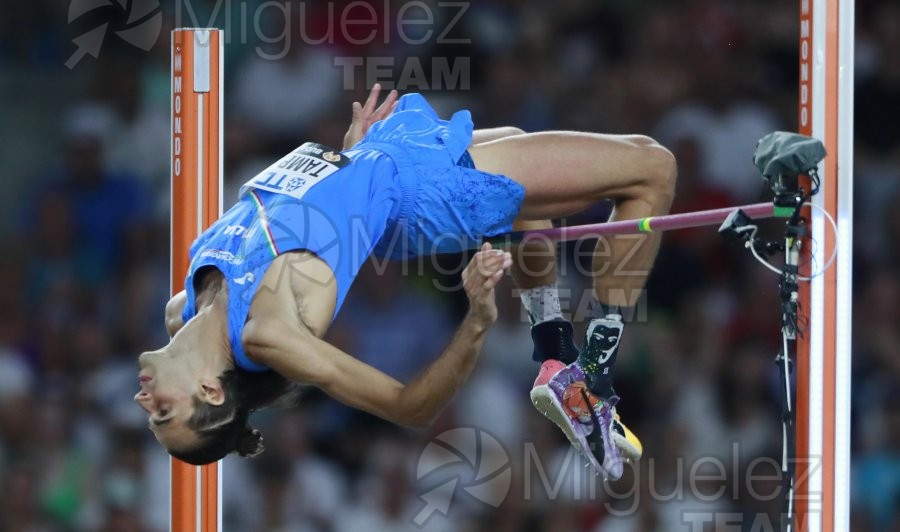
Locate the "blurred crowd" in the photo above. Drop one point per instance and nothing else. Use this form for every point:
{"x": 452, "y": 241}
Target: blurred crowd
{"x": 85, "y": 268}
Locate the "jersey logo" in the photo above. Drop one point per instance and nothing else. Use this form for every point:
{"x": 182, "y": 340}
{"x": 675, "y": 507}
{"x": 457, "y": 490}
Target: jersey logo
{"x": 295, "y": 183}
{"x": 297, "y": 172}
{"x": 239, "y": 230}
{"x": 219, "y": 254}
{"x": 247, "y": 278}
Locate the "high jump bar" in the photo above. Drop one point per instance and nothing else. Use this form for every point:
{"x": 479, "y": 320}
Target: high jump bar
{"x": 669, "y": 222}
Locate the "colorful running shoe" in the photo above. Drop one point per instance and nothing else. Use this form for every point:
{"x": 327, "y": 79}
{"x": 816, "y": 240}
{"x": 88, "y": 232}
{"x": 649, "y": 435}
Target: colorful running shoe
{"x": 591, "y": 424}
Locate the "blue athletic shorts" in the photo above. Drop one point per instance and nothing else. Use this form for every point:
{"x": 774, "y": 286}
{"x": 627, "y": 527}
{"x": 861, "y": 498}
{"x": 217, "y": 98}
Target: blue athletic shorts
{"x": 447, "y": 204}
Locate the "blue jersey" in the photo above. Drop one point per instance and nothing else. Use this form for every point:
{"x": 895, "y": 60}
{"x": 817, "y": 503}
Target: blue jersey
{"x": 399, "y": 190}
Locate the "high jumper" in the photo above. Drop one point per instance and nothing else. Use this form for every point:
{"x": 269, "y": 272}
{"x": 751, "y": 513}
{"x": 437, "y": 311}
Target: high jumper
{"x": 267, "y": 279}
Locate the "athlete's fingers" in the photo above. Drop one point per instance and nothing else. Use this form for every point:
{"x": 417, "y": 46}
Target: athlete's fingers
{"x": 492, "y": 281}
{"x": 373, "y": 98}
{"x": 490, "y": 264}
{"x": 480, "y": 277}
{"x": 492, "y": 258}
{"x": 487, "y": 262}
{"x": 390, "y": 103}
{"x": 357, "y": 109}
{"x": 474, "y": 271}
{"x": 495, "y": 258}
{"x": 386, "y": 107}
{"x": 476, "y": 266}
{"x": 493, "y": 277}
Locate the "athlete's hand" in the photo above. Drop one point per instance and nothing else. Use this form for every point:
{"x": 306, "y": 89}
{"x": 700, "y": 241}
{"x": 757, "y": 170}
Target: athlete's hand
{"x": 479, "y": 279}
{"x": 366, "y": 115}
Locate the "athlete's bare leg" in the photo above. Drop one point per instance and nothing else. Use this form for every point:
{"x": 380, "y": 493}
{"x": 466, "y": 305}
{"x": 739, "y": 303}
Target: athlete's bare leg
{"x": 564, "y": 173}
{"x": 480, "y": 136}
{"x": 535, "y": 274}
{"x": 536, "y": 265}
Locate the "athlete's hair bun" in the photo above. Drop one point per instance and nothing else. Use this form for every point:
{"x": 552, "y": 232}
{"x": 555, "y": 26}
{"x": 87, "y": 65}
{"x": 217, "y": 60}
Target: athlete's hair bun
{"x": 250, "y": 443}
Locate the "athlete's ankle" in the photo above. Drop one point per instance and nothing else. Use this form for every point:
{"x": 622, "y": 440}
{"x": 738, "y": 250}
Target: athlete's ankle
{"x": 603, "y": 388}
{"x": 554, "y": 339}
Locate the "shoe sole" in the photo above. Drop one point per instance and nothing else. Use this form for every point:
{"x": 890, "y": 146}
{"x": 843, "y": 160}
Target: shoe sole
{"x": 546, "y": 402}
{"x": 628, "y": 450}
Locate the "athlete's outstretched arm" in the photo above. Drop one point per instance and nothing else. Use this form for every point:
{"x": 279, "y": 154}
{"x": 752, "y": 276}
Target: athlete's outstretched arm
{"x": 300, "y": 356}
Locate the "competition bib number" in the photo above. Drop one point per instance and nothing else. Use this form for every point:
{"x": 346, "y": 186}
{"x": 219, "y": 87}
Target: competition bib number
{"x": 297, "y": 172}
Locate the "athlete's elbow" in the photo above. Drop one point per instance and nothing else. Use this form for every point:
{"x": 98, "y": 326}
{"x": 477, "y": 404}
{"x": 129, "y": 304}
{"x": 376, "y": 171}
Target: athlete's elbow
{"x": 417, "y": 415}
{"x": 419, "y": 419}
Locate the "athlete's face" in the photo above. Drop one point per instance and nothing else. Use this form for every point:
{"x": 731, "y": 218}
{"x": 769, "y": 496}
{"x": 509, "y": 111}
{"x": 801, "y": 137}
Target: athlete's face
{"x": 168, "y": 388}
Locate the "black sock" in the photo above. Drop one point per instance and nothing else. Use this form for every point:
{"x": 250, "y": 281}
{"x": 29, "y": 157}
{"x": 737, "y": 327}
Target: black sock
{"x": 554, "y": 339}
{"x": 601, "y": 347}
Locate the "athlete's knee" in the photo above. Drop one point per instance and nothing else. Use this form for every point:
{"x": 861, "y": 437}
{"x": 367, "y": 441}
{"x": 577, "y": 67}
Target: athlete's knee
{"x": 662, "y": 169}
{"x": 509, "y": 131}
{"x": 641, "y": 140}
{"x": 483, "y": 136}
